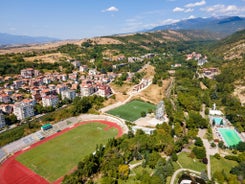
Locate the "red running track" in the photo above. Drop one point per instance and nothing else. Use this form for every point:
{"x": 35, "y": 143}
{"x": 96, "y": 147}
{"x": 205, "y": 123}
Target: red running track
{"x": 13, "y": 172}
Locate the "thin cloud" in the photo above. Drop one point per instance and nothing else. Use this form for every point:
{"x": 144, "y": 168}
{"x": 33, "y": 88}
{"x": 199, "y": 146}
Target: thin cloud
{"x": 220, "y": 9}
{"x": 189, "y": 10}
{"x": 192, "y": 5}
{"x": 111, "y": 9}
{"x": 186, "y": 10}
{"x": 178, "y": 9}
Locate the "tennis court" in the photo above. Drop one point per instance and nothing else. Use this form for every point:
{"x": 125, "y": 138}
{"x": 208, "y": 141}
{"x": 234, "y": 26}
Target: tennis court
{"x": 229, "y": 136}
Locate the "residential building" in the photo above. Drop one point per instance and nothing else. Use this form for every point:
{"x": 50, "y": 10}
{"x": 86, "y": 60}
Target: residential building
{"x": 17, "y": 84}
{"x": 6, "y": 108}
{"x": 87, "y": 88}
{"x": 76, "y": 63}
{"x": 104, "y": 91}
{"x": 2, "y": 120}
{"x": 92, "y": 72}
{"x": 69, "y": 94}
{"x": 23, "y": 109}
{"x": 17, "y": 97}
{"x": 29, "y": 73}
{"x": 60, "y": 88}
{"x": 5, "y": 98}
{"x": 83, "y": 68}
{"x": 50, "y": 100}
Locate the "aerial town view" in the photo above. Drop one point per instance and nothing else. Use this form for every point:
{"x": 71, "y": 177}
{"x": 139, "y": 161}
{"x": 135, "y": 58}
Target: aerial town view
{"x": 122, "y": 92}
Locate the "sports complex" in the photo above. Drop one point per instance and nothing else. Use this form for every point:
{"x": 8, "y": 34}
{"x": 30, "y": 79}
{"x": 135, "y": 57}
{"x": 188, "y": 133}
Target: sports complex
{"x": 46, "y": 156}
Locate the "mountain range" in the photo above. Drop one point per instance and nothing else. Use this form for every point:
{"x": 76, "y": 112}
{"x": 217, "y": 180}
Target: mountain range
{"x": 224, "y": 26}
{"x": 9, "y": 39}
{"x": 220, "y": 26}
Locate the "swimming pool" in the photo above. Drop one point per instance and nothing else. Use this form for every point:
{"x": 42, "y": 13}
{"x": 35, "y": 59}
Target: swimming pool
{"x": 229, "y": 136}
{"x": 218, "y": 121}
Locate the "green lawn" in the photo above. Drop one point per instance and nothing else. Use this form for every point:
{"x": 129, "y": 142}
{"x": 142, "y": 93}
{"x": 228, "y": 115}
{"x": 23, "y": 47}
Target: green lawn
{"x": 132, "y": 110}
{"x": 58, "y": 156}
{"x": 188, "y": 162}
{"x": 222, "y": 164}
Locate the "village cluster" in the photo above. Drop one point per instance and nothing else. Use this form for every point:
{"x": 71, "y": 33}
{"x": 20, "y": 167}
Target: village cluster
{"x": 20, "y": 93}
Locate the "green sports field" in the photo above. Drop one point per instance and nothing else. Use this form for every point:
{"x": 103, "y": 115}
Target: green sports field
{"x": 131, "y": 111}
{"x": 60, "y": 155}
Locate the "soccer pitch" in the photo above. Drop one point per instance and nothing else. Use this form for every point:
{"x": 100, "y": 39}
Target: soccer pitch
{"x": 131, "y": 111}
{"x": 61, "y": 154}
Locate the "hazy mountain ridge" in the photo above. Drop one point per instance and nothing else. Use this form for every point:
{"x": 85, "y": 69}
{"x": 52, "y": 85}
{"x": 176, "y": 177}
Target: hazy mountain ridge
{"x": 221, "y": 25}
{"x": 166, "y": 36}
{"x": 9, "y": 39}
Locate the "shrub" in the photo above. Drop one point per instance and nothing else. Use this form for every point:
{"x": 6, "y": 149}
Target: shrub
{"x": 213, "y": 145}
{"x": 143, "y": 114}
{"x": 232, "y": 157}
{"x": 174, "y": 157}
{"x": 217, "y": 156}
{"x": 205, "y": 160}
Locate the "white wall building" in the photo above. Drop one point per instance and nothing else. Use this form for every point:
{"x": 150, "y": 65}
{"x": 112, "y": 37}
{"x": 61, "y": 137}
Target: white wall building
{"x": 50, "y": 100}
{"x": 23, "y": 110}
{"x": 69, "y": 94}
{"x": 2, "y": 120}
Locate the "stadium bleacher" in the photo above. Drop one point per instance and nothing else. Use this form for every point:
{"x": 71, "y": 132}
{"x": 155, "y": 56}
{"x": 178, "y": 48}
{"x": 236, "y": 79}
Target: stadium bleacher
{"x": 39, "y": 135}
{"x": 3, "y": 154}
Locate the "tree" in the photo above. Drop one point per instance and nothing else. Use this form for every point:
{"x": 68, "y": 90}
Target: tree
{"x": 152, "y": 159}
{"x": 174, "y": 157}
{"x": 198, "y": 142}
{"x": 241, "y": 146}
{"x": 239, "y": 171}
{"x": 123, "y": 171}
{"x": 143, "y": 114}
{"x": 205, "y": 160}
{"x": 11, "y": 119}
{"x": 199, "y": 152}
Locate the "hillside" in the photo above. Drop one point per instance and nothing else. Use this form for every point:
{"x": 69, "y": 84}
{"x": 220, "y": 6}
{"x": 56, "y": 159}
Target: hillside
{"x": 137, "y": 38}
{"x": 233, "y": 46}
{"x": 231, "y": 49}
{"x": 224, "y": 26}
{"x": 166, "y": 36}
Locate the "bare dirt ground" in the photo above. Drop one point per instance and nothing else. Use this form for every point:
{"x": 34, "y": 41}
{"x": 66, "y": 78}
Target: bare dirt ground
{"x": 49, "y": 58}
{"x": 149, "y": 71}
{"x": 203, "y": 86}
{"x": 54, "y": 45}
{"x": 154, "y": 93}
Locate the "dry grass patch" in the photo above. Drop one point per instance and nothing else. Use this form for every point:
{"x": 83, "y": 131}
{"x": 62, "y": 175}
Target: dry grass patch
{"x": 154, "y": 93}
{"x": 49, "y": 58}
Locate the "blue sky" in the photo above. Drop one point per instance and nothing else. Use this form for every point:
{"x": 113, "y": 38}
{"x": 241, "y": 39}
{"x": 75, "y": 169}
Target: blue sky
{"x": 74, "y": 19}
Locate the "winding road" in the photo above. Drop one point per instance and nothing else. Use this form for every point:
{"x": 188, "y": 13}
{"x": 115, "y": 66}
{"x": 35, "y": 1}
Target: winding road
{"x": 181, "y": 170}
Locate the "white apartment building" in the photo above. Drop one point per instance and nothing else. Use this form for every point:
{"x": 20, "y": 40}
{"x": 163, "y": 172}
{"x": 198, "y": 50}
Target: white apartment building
{"x": 69, "y": 94}
{"x": 2, "y": 120}
{"x": 50, "y": 100}
{"x": 87, "y": 89}
{"x": 23, "y": 110}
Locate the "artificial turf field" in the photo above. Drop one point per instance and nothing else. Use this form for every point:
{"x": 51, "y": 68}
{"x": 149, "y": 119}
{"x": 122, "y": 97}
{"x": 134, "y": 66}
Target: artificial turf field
{"x": 131, "y": 111}
{"x": 61, "y": 154}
